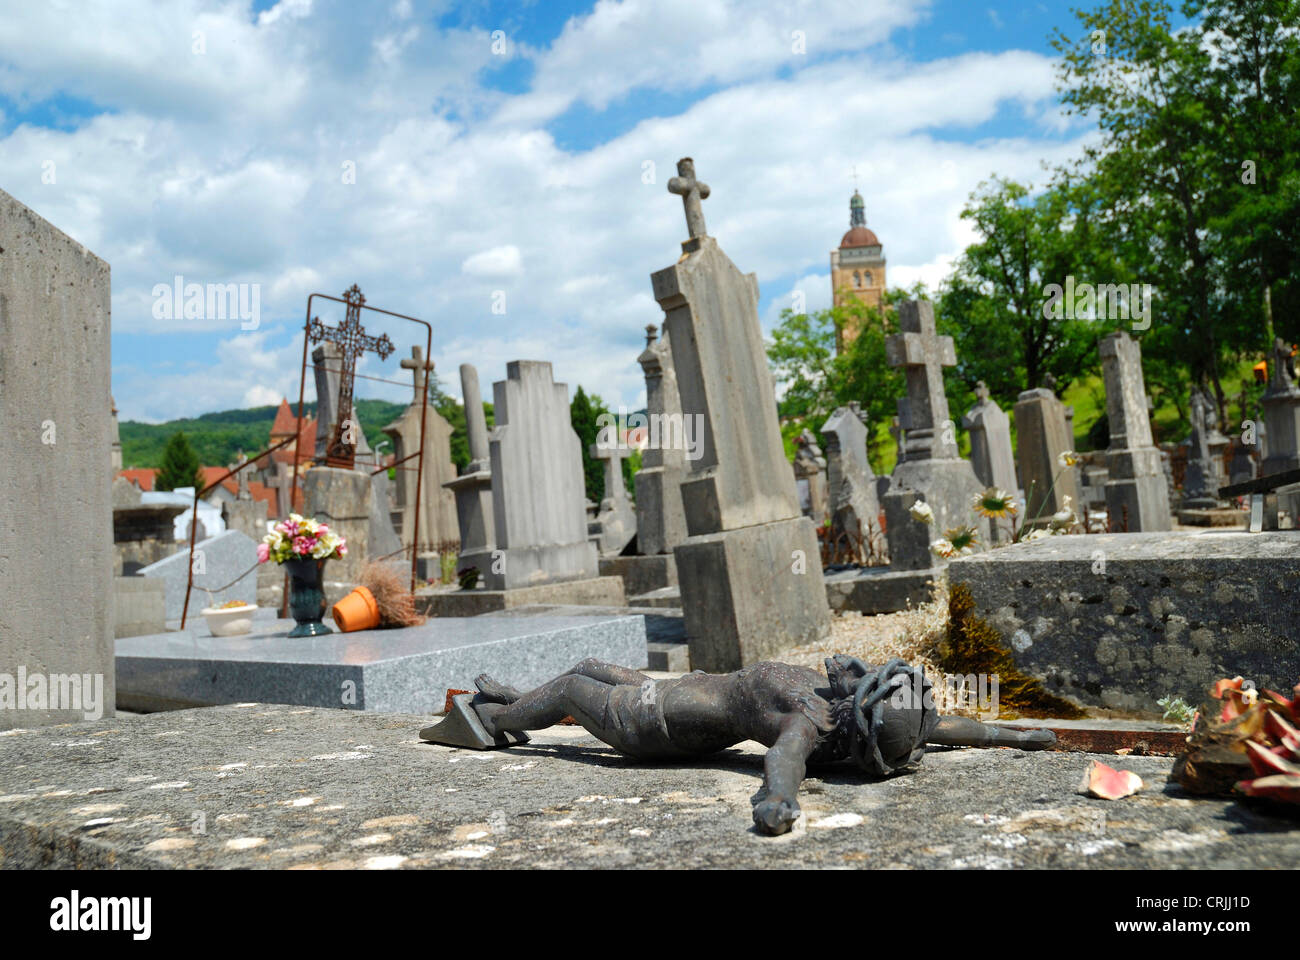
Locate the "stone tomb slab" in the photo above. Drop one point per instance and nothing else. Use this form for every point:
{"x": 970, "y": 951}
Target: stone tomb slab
{"x": 407, "y": 670}
{"x": 1121, "y": 620}
{"x": 310, "y": 788}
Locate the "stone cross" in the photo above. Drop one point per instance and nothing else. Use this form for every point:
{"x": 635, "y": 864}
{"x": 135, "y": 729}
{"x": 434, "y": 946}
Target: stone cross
{"x": 613, "y": 455}
{"x": 352, "y": 340}
{"x": 923, "y": 354}
{"x": 244, "y": 493}
{"x": 416, "y": 364}
{"x": 1135, "y": 489}
{"x": 480, "y": 457}
{"x": 1282, "y": 369}
{"x": 691, "y": 191}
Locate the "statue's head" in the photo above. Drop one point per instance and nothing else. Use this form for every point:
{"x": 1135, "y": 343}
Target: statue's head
{"x": 891, "y": 710}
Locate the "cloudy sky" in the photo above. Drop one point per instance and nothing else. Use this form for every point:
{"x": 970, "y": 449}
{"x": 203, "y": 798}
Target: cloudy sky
{"x": 452, "y": 157}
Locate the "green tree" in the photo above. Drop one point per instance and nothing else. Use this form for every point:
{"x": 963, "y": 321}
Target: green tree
{"x": 584, "y": 411}
{"x": 180, "y": 465}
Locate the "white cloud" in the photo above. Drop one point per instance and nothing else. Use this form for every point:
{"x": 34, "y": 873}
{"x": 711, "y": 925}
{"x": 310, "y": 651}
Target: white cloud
{"x": 497, "y": 262}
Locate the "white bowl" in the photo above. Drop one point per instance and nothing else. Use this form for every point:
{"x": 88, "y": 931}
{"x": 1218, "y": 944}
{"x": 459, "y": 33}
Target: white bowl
{"x": 229, "y": 621}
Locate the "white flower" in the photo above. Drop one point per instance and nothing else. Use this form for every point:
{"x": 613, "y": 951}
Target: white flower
{"x": 922, "y": 511}
{"x": 943, "y": 548}
{"x": 1038, "y": 534}
{"x": 1068, "y": 458}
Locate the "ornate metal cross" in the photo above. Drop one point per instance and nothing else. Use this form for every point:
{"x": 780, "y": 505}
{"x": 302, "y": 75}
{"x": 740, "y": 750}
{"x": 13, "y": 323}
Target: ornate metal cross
{"x": 352, "y": 340}
{"x": 691, "y": 191}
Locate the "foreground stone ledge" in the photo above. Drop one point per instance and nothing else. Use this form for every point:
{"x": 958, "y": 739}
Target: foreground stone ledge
{"x": 293, "y": 787}
{"x": 1121, "y": 620}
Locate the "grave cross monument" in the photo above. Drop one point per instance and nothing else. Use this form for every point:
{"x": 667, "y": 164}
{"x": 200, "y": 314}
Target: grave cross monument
{"x": 473, "y": 488}
{"x": 352, "y": 340}
{"x": 1135, "y": 490}
{"x": 932, "y": 469}
{"x": 615, "y": 523}
{"x": 750, "y": 568}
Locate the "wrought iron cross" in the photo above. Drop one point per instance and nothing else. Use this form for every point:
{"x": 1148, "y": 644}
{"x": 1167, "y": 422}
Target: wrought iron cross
{"x": 352, "y": 340}
{"x": 691, "y": 191}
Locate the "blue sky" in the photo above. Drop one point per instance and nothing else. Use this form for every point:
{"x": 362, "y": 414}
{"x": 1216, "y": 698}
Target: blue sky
{"x": 213, "y": 141}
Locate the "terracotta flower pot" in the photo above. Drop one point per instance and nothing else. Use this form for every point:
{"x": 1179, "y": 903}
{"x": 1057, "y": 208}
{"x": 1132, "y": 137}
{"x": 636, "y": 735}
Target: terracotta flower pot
{"x": 357, "y": 611}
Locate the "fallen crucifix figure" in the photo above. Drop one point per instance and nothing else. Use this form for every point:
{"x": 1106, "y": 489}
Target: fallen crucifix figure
{"x": 880, "y": 718}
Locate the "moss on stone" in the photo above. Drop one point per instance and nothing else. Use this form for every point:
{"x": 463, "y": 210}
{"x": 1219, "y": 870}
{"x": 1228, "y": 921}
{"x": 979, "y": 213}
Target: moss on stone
{"x": 973, "y": 645}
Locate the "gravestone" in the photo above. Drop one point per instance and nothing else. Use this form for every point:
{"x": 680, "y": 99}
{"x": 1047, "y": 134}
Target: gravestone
{"x": 990, "y": 448}
{"x": 932, "y": 470}
{"x": 750, "y": 568}
{"x": 438, "y": 528}
{"x": 1281, "y": 403}
{"x": 1201, "y": 478}
{"x": 855, "y": 510}
{"x": 660, "y": 519}
{"x": 341, "y": 498}
{"x": 244, "y": 513}
{"x": 810, "y": 472}
{"x": 473, "y": 488}
{"x": 56, "y": 518}
{"x": 218, "y": 561}
{"x": 537, "y": 483}
{"x": 1042, "y": 435}
{"x": 1136, "y": 497}
{"x": 615, "y": 522}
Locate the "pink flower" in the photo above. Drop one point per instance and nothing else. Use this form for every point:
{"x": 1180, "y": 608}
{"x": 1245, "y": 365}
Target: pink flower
{"x": 342, "y": 549}
{"x": 263, "y": 553}
{"x": 301, "y": 545}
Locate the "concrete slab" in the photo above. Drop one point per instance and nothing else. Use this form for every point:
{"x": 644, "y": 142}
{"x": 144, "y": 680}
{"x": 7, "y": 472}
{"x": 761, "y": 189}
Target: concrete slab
{"x": 283, "y": 786}
{"x": 597, "y": 591}
{"x": 407, "y": 670}
{"x": 872, "y": 590}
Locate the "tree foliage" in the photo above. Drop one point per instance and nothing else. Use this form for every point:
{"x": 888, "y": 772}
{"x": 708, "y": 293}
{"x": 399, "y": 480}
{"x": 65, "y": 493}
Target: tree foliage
{"x": 180, "y": 465}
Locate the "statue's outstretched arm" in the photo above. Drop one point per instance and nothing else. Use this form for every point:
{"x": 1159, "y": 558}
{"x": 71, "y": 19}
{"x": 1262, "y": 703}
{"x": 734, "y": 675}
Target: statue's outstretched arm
{"x": 776, "y": 806}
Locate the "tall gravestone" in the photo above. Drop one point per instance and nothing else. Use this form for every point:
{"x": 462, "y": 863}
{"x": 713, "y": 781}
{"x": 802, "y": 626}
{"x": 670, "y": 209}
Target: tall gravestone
{"x": 660, "y": 519}
{"x": 991, "y": 456}
{"x": 750, "y": 569}
{"x": 438, "y": 529}
{"x": 854, "y": 506}
{"x": 1042, "y": 435}
{"x": 810, "y": 473}
{"x": 538, "y": 501}
{"x": 1135, "y": 488}
{"x": 473, "y": 488}
{"x": 1279, "y": 434}
{"x": 56, "y": 516}
{"x": 932, "y": 469}
{"x": 1201, "y": 478}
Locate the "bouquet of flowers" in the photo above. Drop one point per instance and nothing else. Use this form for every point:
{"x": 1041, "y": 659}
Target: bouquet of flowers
{"x": 299, "y": 538}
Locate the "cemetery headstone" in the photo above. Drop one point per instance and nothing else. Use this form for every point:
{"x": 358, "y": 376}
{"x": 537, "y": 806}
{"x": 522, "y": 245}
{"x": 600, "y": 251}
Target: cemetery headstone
{"x": 218, "y": 561}
{"x": 855, "y": 509}
{"x": 1281, "y": 404}
{"x": 473, "y": 488}
{"x": 990, "y": 446}
{"x": 615, "y": 520}
{"x": 438, "y": 527}
{"x": 538, "y": 502}
{"x": 1135, "y": 488}
{"x": 810, "y": 470}
{"x": 1042, "y": 435}
{"x": 932, "y": 470}
{"x": 750, "y": 568}
{"x": 1201, "y": 479}
{"x": 660, "y": 520}
{"x": 56, "y": 562}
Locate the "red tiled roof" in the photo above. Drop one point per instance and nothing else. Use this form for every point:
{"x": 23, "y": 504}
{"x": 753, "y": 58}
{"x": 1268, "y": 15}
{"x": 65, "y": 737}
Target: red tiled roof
{"x": 284, "y": 421}
{"x": 306, "y": 442}
{"x": 210, "y": 474}
{"x": 142, "y": 477}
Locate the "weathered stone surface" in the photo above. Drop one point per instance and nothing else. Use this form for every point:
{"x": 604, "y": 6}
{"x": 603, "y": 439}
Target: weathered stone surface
{"x": 342, "y": 499}
{"x": 873, "y": 590}
{"x": 539, "y": 513}
{"x": 660, "y": 517}
{"x": 1201, "y": 480}
{"x": 745, "y": 593}
{"x": 294, "y": 787}
{"x": 949, "y": 487}
{"x": 1136, "y": 497}
{"x": 473, "y": 488}
{"x": 854, "y": 506}
{"x": 217, "y": 561}
{"x": 810, "y": 475}
{"x": 438, "y": 526}
{"x": 750, "y": 571}
{"x": 140, "y": 605}
{"x": 1121, "y": 620}
{"x": 246, "y": 516}
{"x": 405, "y": 670}
{"x": 641, "y": 574}
{"x": 1042, "y": 435}
{"x": 56, "y": 519}
{"x": 1281, "y": 426}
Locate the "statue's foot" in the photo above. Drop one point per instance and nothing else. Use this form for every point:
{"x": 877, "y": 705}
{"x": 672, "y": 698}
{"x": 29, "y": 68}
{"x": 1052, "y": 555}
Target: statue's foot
{"x": 494, "y": 691}
{"x": 487, "y": 713}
